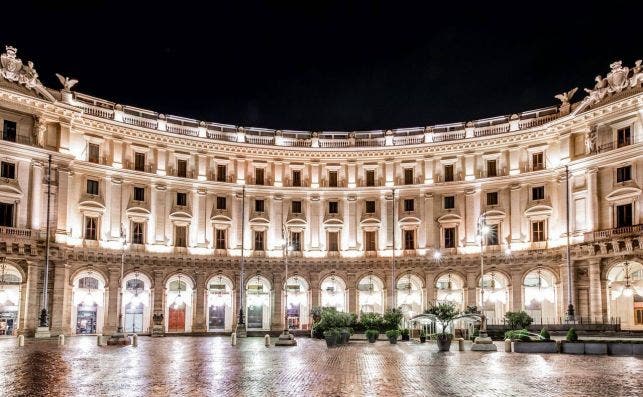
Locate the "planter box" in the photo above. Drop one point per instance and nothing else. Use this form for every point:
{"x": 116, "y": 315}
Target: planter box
{"x": 595, "y": 348}
{"x": 620, "y": 349}
{"x": 572, "y": 347}
{"x": 535, "y": 347}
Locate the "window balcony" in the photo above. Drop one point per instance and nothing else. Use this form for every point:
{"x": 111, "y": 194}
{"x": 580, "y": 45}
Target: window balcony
{"x": 609, "y": 233}
{"x": 7, "y": 232}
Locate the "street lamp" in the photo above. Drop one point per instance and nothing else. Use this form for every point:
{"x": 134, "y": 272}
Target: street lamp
{"x": 286, "y": 338}
{"x": 482, "y": 342}
{"x": 119, "y": 338}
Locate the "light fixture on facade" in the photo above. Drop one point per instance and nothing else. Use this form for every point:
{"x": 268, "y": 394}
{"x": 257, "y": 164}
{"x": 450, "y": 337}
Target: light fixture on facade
{"x": 178, "y": 301}
{"x": 628, "y": 289}
{"x": 437, "y": 255}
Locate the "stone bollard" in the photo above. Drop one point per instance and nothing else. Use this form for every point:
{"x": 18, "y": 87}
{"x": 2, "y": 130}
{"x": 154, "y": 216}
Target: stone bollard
{"x": 61, "y": 340}
{"x": 267, "y": 340}
{"x": 507, "y": 345}
{"x": 233, "y": 338}
{"x": 21, "y": 340}
{"x": 134, "y": 340}
{"x": 101, "y": 340}
{"x": 461, "y": 344}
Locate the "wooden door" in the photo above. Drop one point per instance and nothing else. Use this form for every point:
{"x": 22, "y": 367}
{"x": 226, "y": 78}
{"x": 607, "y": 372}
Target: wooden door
{"x": 176, "y": 320}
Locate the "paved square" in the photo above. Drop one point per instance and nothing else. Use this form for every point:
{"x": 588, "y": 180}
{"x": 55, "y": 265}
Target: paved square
{"x": 209, "y": 366}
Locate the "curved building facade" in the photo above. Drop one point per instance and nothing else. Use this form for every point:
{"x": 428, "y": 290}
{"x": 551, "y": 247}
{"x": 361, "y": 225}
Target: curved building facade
{"x": 202, "y": 218}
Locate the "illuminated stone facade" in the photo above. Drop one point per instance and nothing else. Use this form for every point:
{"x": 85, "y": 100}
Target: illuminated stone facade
{"x": 374, "y": 219}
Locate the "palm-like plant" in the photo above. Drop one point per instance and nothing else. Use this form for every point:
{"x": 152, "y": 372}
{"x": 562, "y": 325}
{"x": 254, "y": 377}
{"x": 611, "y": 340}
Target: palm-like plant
{"x": 444, "y": 313}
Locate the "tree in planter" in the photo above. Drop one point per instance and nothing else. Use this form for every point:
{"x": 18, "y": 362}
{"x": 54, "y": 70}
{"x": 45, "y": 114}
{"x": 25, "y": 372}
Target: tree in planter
{"x": 422, "y": 336}
{"x": 544, "y": 334}
{"x": 406, "y": 333}
{"x": 371, "y": 321}
{"x": 571, "y": 335}
{"x": 372, "y": 335}
{"x": 392, "y": 318}
{"x": 518, "y": 320}
{"x": 392, "y": 335}
{"x": 444, "y": 313}
{"x": 331, "y": 337}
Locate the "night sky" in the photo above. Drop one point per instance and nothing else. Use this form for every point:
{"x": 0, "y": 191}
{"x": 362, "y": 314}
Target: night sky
{"x": 322, "y": 65}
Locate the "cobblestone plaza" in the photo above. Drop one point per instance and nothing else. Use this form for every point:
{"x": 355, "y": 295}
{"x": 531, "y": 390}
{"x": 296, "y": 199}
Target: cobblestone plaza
{"x": 210, "y": 366}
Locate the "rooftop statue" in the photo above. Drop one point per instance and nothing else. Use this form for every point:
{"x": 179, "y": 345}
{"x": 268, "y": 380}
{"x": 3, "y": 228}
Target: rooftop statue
{"x": 66, "y": 82}
{"x": 14, "y": 70}
{"x": 565, "y": 97}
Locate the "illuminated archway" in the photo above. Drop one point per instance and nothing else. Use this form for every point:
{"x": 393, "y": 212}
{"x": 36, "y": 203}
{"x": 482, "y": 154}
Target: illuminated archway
{"x": 137, "y": 303}
{"x": 10, "y": 280}
{"x": 409, "y": 295}
{"x": 258, "y": 303}
{"x": 88, "y": 303}
{"x": 220, "y": 304}
{"x": 496, "y": 296}
{"x": 450, "y": 288}
{"x": 298, "y": 304}
{"x": 371, "y": 295}
{"x": 333, "y": 293}
{"x": 625, "y": 294}
{"x": 179, "y": 303}
{"x": 539, "y": 296}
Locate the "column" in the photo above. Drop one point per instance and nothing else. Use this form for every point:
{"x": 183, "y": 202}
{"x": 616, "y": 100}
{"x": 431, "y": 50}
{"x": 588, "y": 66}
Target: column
{"x": 60, "y": 315}
{"x": 514, "y": 161}
{"x": 592, "y": 223}
{"x": 117, "y": 155}
{"x": 196, "y": 212}
{"x": 241, "y": 171}
{"x": 389, "y": 172}
{"x": 429, "y": 226}
{"x": 158, "y": 218}
{"x": 428, "y": 170}
{"x": 471, "y": 213}
{"x": 469, "y": 167}
{"x": 36, "y": 194}
{"x": 314, "y": 215}
{"x": 351, "y": 225}
{"x": 352, "y": 175}
{"x": 198, "y": 321}
{"x": 314, "y": 175}
{"x": 158, "y": 294}
{"x": 387, "y": 226}
{"x": 65, "y": 138}
{"x": 277, "y": 308}
{"x": 62, "y": 202}
{"x": 472, "y": 289}
{"x": 595, "y": 290}
{"x": 516, "y": 283}
{"x": 351, "y": 287}
{"x": 516, "y": 212}
{"x": 111, "y": 324}
{"x": 113, "y": 212}
{"x": 161, "y": 161}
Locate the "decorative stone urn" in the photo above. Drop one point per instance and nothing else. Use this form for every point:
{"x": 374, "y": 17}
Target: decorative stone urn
{"x": 158, "y": 329}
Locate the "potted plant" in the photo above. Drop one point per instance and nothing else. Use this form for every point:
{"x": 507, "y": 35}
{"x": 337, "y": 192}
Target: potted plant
{"x": 392, "y": 335}
{"x": 406, "y": 334}
{"x": 331, "y": 337}
{"x": 571, "y": 344}
{"x": 518, "y": 320}
{"x": 444, "y": 313}
{"x": 392, "y": 318}
{"x": 344, "y": 335}
{"x": 372, "y": 335}
{"x": 422, "y": 336}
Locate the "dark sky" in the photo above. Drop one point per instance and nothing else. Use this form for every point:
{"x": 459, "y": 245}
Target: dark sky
{"x": 322, "y": 65}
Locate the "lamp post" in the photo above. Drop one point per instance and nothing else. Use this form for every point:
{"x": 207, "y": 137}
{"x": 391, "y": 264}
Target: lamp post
{"x": 120, "y": 338}
{"x": 43, "y": 326}
{"x": 286, "y": 338}
{"x": 482, "y": 342}
{"x": 241, "y": 324}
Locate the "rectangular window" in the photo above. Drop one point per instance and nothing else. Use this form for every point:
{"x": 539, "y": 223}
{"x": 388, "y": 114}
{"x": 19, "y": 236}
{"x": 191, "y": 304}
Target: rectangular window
{"x": 182, "y": 168}
{"x": 369, "y": 241}
{"x": 91, "y": 228}
{"x": 448, "y": 173}
{"x": 333, "y": 241}
{"x": 92, "y": 187}
{"x": 409, "y": 205}
{"x": 93, "y": 153}
{"x": 181, "y": 199}
{"x": 624, "y": 174}
{"x": 180, "y": 238}
{"x": 624, "y": 215}
{"x": 538, "y": 193}
{"x": 137, "y": 232}
{"x": 259, "y": 180}
{"x": 259, "y": 241}
{"x": 333, "y": 207}
{"x": 220, "y": 239}
{"x": 259, "y": 205}
{"x": 537, "y": 162}
{"x": 332, "y": 179}
{"x": 296, "y": 207}
{"x": 296, "y": 178}
{"x": 449, "y": 237}
{"x": 538, "y": 231}
{"x": 9, "y": 131}
{"x": 370, "y": 206}
{"x": 221, "y": 202}
{"x": 492, "y": 198}
{"x": 623, "y": 137}
{"x": 6, "y": 214}
{"x": 408, "y": 176}
{"x": 295, "y": 241}
{"x": 492, "y": 170}
{"x": 139, "y": 194}
{"x": 449, "y": 202}
{"x": 8, "y": 170}
{"x": 222, "y": 171}
{"x": 492, "y": 235}
{"x": 139, "y": 161}
{"x": 409, "y": 239}
{"x": 370, "y": 177}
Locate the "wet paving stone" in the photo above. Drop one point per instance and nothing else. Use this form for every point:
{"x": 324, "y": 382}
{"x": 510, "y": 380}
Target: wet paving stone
{"x": 210, "y": 366}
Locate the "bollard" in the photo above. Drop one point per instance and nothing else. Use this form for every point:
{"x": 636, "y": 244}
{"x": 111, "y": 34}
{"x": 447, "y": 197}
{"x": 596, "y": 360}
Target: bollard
{"x": 507, "y": 345}
{"x": 101, "y": 340}
{"x": 61, "y": 340}
{"x": 98, "y": 340}
{"x": 21, "y": 340}
{"x": 267, "y": 340}
{"x": 461, "y": 344}
{"x": 134, "y": 340}
{"x": 233, "y": 338}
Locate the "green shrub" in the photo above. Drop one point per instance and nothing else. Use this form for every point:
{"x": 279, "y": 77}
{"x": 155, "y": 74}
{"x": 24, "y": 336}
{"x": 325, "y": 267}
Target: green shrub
{"x": 331, "y": 318}
{"x": 423, "y": 333}
{"x": 333, "y": 332}
{"x": 571, "y": 335}
{"x": 444, "y": 313}
{"x": 405, "y": 332}
{"x": 372, "y": 333}
{"x": 518, "y": 320}
{"x": 544, "y": 334}
{"x": 520, "y": 334}
{"x": 392, "y": 318}
{"x": 392, "y": 333}
{"x": 371, "y": 321}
